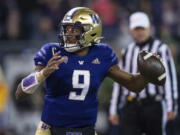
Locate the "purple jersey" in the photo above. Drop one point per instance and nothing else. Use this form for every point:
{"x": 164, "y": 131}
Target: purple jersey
{"x": 71, "y": 91}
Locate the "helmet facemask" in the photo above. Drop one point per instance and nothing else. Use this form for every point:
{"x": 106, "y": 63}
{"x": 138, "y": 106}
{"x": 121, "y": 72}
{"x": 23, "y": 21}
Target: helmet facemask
{"x": 71, "y": 35}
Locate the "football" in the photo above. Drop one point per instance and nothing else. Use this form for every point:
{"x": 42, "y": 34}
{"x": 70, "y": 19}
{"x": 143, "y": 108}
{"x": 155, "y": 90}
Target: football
{"x": 151, "y": 67}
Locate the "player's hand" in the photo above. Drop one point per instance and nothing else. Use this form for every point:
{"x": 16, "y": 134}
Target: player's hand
{"x": 53, "y": 64}
{"x": 171, "y": 115}
{"x": 114, "y": 119}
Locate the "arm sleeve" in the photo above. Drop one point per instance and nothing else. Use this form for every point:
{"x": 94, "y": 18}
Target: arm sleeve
{"x": 41, "y": 57}
{"x": 170, "y": 87}
{"x": 111, "y": 57}
{"x": 114, "y": 99}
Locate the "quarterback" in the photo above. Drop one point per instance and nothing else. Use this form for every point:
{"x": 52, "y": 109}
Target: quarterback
{"x": 72, "y": 71}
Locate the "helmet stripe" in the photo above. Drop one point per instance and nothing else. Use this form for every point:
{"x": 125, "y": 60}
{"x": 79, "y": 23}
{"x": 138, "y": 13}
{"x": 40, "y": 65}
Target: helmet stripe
{"x": 73, "y": 11}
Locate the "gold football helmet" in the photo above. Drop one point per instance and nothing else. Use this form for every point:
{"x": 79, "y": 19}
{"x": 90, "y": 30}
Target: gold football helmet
{"x": 90, "y": 24}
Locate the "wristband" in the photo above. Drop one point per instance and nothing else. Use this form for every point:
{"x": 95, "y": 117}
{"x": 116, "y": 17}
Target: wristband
{"x": 30, "y": 83}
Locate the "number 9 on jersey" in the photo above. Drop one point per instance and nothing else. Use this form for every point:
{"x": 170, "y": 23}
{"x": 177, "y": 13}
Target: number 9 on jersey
{"x": 84, "y": 85}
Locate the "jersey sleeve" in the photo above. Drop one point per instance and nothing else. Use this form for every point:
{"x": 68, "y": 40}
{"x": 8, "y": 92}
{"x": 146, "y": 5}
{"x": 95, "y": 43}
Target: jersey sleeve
{"x": 43, "y": 55}
{"x": 110, "y": 56}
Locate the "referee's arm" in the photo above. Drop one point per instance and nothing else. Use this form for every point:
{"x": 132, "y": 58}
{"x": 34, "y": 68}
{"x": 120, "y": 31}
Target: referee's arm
{"x": 113, "y": 110}
{"x": 115, "y": 98}
{"x": 170, "y": 87}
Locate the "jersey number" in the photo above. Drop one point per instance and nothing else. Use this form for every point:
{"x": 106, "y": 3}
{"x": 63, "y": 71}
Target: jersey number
{"x": 84, "y": 85}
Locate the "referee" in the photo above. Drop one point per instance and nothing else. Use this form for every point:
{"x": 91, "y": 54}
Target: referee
{"x": 146, "y": 112}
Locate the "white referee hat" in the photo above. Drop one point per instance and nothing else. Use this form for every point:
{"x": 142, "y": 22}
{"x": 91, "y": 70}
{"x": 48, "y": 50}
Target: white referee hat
{"x": 139, "y": 19}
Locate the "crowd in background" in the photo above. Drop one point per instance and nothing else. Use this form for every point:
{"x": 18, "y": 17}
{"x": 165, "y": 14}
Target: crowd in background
{"x": 40, "y": 19}
{"x": 27, "y": 24}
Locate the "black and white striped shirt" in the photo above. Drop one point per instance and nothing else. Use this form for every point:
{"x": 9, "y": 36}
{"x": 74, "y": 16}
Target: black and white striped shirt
{"x": 167, "y": 93}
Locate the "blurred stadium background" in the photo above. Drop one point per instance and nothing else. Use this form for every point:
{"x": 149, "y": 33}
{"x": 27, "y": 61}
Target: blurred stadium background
{"x": 25, "y": 25}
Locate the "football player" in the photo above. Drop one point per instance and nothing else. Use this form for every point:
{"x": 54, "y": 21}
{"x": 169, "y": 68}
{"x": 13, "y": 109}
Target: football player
{"x": 73, "y": 71}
